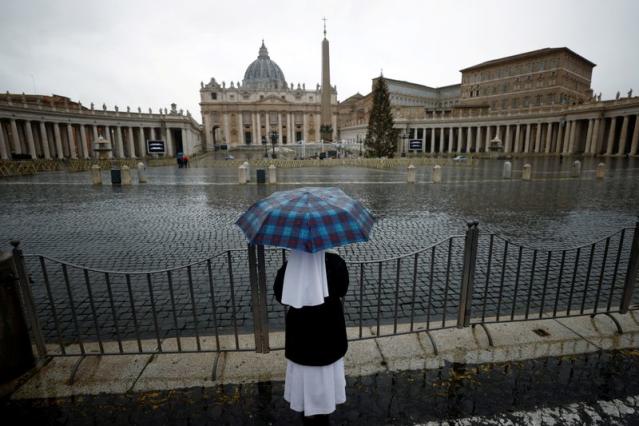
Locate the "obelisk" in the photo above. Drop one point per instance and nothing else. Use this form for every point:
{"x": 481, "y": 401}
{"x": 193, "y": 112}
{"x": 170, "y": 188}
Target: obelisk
{"x": 326, "y": 128}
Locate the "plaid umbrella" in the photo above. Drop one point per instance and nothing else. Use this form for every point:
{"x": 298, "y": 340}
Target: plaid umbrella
{"x": 309, "y": 219}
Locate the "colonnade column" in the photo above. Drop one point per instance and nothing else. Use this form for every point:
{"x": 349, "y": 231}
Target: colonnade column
{"x": 623, "y": 136}
{"x": 267, "y": 126}
{"x": 548, "y": 137}
{"x": 58, "y": 141}
{"x": 560, "y": 130}
{"x": 507, "y": 139}
{"x": 258, "y": 122}
{"x": 611, "y": 135}
{"x": 142, "y": 148}
{"x": 573, "y": 137}
{"x": 469, "y": 139}
{"x": 450, "y": 139}
{"x": 589, "y": 136}
{"x": 517, "y": 138}
{"x": 478, "y": 139}
{"x": 240, "y": 128}
{"x": 527, "y": 142}
{"x": 169, "y": 142}
{"x": 15, "y": 139}
{"x": 73, "y": 152}
{"x": 227, "y": 130}
{"x": 460, "y": 140}
{"x": 432, "y": 140}
{"x": 279, "y": 128}
{"x": 488, "y": 137}
{"x": 30, "y": 142}
{"x": 4, "y": 152}
{"x": 635, "y": 137}
{"x": 594, "y": 142}
{"x": 131, "y": 143}
{"x": 441, "y": 140}
{"x": 44, "y": 139}
{"x": 538, "y": 138}
{"x": 83, "y": 143}
{"x": 304, "y": 126}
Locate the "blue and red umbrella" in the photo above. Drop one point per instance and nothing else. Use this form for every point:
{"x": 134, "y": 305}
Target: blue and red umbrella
{"x": 308, "y": 219}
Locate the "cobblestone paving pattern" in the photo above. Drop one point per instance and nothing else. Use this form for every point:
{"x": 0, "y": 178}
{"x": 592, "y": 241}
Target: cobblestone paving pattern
{"x": 187, "y": 215}
{"x": 593, "y": 389}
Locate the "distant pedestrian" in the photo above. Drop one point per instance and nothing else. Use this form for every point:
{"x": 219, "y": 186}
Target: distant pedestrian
{"x": 185, "y": 160}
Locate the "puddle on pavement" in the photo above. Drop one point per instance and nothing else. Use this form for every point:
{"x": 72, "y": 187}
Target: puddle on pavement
{"x": 408, "y": 397}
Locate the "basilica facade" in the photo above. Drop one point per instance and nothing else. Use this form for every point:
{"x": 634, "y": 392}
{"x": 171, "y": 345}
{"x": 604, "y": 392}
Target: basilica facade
{"x": 263, "y": 108}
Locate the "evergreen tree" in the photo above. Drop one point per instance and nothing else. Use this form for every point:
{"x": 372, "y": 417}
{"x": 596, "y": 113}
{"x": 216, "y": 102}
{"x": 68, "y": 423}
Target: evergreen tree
{"x": 381, "y": 137}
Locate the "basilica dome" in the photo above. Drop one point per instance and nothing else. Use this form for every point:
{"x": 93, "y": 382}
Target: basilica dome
{"x": 263, "y": 73}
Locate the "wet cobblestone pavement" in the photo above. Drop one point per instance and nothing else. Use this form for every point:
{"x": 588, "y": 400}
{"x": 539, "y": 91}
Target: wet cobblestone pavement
{"x": 594, "y": 389}
{"x": 186, "y": 215}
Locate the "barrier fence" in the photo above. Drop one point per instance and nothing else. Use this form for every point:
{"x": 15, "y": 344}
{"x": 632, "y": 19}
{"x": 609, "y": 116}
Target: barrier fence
{"x": 226, "y": 302}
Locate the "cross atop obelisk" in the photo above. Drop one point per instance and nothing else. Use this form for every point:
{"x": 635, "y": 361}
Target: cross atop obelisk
{"x": 326, "y": 115}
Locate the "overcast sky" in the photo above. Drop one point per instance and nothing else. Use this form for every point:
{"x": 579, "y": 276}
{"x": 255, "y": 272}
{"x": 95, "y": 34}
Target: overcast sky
{"x": 152, "y": 53}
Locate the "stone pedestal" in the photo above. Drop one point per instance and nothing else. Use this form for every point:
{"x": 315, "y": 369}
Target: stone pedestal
{"x": 508, "y": 170}
{"x": 576, "y": 169}
{"x": 96, "y": 175}
{"x": 411, "y": 174}
{"x": 248, "y": 171}
{"x": 272, "y": 174}
{"x": 526, "y": 173}
{"x": 141, "y": 173}
{"x": 126, "y": 175}
{"x": 242, "y": 174}
{"x": 601, "y": 171}
{"x": 437, "y": 173}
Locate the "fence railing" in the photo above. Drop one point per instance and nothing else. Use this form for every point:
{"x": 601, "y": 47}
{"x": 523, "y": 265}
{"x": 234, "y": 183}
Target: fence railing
{"x": 226, "y": 302}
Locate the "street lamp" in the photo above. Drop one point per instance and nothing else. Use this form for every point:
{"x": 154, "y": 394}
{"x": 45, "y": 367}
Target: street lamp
{"x": 274, "y": 136}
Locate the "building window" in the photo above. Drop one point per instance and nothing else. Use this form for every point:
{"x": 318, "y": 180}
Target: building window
{"x": 213, "y": 95}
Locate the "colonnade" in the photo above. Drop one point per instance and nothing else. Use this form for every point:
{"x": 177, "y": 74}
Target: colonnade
{"x": 287, "y": 124}
{"x": 57, "y": 140}
{"x": 616, "y": 135}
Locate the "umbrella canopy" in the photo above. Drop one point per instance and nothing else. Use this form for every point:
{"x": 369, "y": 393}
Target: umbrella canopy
{"x": 308, "y": 219}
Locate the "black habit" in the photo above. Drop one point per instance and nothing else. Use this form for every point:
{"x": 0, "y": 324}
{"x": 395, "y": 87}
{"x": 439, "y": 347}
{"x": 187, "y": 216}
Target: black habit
{"x": 316, "y": 335}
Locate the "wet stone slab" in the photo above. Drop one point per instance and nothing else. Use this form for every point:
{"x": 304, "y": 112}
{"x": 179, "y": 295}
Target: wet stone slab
{"x": 600, "y": 386}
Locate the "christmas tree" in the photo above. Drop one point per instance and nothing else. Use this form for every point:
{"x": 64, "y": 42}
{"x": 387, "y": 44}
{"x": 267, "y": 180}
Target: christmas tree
{"x": 381, "y": 137}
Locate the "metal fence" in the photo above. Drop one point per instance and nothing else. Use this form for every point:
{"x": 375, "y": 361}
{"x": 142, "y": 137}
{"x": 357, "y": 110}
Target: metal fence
{"x": 226, "y": 302}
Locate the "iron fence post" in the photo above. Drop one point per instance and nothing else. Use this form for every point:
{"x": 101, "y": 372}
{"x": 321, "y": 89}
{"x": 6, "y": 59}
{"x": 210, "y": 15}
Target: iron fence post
{"x": 257, "y": 276}
{"x": 27, "y": 298}
{"x": 468, "y": 274}
{"x": 262, "y": 313}
{"x": 631, "y": 275}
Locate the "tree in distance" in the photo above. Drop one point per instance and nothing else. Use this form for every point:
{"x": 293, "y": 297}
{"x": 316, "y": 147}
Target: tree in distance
{"x": 381, "y": 137}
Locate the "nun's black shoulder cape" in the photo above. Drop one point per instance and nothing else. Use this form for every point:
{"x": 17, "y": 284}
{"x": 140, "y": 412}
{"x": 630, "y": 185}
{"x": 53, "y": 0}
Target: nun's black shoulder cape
{"x": 316, "y": 335}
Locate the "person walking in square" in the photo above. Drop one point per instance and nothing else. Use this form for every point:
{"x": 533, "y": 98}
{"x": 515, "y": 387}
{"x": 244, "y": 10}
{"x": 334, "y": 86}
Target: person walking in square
{"x": 312, "y": 285}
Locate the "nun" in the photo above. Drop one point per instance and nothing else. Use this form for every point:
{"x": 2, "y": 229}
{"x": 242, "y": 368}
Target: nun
{"x": 311, "y": 285}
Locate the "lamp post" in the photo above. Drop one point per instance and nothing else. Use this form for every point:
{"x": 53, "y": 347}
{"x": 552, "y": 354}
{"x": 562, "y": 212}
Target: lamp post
{"x": 405, "y": 137}
{"x": 274, "y": 136}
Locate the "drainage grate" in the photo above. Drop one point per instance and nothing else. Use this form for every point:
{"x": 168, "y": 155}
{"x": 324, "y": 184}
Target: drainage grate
{"x": 541, "y": 332}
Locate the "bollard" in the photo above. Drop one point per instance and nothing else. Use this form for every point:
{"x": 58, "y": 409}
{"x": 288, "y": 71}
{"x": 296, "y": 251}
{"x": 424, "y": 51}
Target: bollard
{"x": 272, "y": 174}
{"x": 126, "y": 175}
{"x": 508, "y": 170}
{"x": 248, "y": 170}
{"x": 16, "y": 353}
{"x": 96, "y": 175}
{"x": 141, "y": 173}
{"x": 437, "y": 173}
{"x": 526, "y": 173}
{"x": 601, "y": 171}
{"x": 411, "y": 175}
{"x": 241, "y": 174}
{"x": 576, "y": 169}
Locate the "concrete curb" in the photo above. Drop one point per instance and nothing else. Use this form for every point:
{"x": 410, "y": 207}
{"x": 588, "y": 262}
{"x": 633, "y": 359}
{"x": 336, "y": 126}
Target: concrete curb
{"x": 420, "y": 350}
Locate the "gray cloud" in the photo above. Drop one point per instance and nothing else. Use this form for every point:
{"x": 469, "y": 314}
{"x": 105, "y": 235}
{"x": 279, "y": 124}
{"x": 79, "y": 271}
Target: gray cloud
{"x": 152, "y": 53}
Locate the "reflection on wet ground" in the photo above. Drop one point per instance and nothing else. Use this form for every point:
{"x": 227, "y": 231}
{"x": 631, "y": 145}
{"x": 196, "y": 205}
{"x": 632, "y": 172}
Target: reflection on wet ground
{"x": 599, "y": 382}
